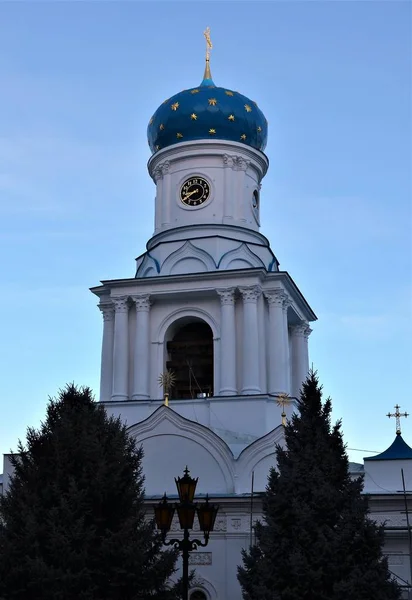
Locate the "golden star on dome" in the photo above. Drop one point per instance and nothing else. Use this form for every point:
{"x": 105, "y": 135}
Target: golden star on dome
{"x": 196, "y": 91}
{"x": 212, "y": 101}
{"x": 243, "y": 136}
{"x": 259, "y": 129}
{"x": 157, "y": 147}
{"x": 175, "y": 106}
{"x": 248, "y": 108}
{"x": 193, "y": 116}
{"x": 231, "y": 117}
{"x": 161, "y": 126}
{"x": 151, "y": 121}
{"x": 212, "y": 131}
{"x": 228, "y": 93}
{"x": 179, "y": 135}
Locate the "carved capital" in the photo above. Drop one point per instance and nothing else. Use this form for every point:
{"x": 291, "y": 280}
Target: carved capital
{"x": 165, "y": 166}
{"x": 227, "y": 296}
{"x": 275, "y": 297}
{"x": 228, "y": 161}
{"x": 121, "y": 304}
{"x": 308, "y": 330}
{"x": 286, "y": 303}
{"x": 250, "y": 293}
{"x": 299, "y": 330}
{"x": 157, "y": 174}
{"x": 142, "y": 302}
{"x": 107, "y": 311}
{"x": 240, "y": 164}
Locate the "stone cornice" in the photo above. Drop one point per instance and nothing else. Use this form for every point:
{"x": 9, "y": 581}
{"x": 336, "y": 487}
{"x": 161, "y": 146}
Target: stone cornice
{"x": 200, "y": 148}
{"x": 209, "y": 282}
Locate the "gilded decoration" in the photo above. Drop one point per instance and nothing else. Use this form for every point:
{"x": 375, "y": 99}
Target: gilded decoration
{"x": 206, "y": 110}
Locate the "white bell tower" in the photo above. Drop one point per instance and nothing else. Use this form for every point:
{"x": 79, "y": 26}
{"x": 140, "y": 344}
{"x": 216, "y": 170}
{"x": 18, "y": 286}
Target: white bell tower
{"x": 208, "y": 301}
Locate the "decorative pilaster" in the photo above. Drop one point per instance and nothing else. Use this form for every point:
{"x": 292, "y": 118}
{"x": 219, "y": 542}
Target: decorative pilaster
{"x": 120, "y": 349}
{"x": 300, "y": 356}
{"x": 228, "y": 197}
{"x": 158, "y": 177}
{"x": 242, "y": 165}
{"x": 166, "y": 191}
{"x": 141, "y": 350}
{"x": 278, "y": 356}
{"x": 228, "y": 342}
{"x": 250, "y": 297}
{"x": 106, "y": 370}
{"x": 286, "y": 303}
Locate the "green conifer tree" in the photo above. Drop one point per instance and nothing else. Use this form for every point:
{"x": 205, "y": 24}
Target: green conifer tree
{"x": 73, "y": 525}
{"x": 316, "y": 539}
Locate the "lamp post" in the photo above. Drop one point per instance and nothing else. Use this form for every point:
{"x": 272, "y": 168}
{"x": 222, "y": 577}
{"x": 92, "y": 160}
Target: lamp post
{"x": 186, "y": 509}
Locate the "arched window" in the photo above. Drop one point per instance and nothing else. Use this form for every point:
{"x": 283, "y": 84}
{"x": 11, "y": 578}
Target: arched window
{"x": 190, "y": 357}
{"x": 198, "y": 595}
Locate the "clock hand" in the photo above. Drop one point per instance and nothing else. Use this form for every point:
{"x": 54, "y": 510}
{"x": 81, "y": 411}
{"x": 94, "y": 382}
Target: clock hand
{"x": 190, "y": 194}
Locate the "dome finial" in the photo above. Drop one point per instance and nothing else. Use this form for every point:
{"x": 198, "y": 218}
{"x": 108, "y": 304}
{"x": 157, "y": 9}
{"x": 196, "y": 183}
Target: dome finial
{"x": 207, "y": 77}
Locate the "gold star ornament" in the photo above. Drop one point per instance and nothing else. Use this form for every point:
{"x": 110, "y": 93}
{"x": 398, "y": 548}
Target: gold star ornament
{"x": 259, "y": 129}
{"x": 212, "y": 101}
{"x": 228, "y": 93}
{"x": 248, "y": 108}
{"x": 151, "y": 121}
{"x": 196, "y": 91}
{"x": 161, "y": 127}
{"x": 175, "y": 106}
{"x": 179, "y": 135}
{"x": 193, "y": 116}
{"x": 243, "y": 136}
{"x": 231, "y": 117}
{"x": 212, "y": 131}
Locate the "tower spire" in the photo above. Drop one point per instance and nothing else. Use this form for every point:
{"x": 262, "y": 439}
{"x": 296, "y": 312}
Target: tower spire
{"x": 207, "y": 76}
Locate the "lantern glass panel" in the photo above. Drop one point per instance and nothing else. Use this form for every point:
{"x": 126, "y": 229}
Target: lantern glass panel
{"x": 206, "y": 513}
{"x": 164, "y": 514}
{"x": 186, "y": 513}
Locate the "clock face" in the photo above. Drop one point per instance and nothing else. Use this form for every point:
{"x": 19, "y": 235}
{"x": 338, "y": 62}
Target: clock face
{"x": 194, "y": 191}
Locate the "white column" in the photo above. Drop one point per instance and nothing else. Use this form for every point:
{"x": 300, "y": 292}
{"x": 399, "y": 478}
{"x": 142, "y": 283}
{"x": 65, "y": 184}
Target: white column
{"x": 278, "y": 367}
{"x": 300, "y": 357}
{"x": 106, "y": 369}
{"x": 142, "y": 348}
{"x": 120, "y": 349}
{"x": 250, "y": 344}
{"x": 227, "y": 343}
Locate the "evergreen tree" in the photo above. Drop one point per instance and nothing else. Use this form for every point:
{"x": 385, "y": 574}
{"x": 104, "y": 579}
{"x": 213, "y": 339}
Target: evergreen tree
{"x": 316, "y": 540}
{"x": 72, "y": 524}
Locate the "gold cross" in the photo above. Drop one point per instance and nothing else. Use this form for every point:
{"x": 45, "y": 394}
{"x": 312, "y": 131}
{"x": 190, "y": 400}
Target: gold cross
{"x": 283, "y": 400}
{"x": 398, "y": 416}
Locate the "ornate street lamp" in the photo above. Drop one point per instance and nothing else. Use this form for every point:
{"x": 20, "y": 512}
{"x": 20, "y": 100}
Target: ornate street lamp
{"x": 186, "y": 510}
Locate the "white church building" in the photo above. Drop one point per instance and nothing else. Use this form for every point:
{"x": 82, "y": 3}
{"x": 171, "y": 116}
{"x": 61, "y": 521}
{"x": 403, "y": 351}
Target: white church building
{"x": 209, "y": 302}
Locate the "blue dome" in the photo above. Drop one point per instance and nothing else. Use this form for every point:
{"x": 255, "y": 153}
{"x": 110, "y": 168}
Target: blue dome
{"x": 207, "y": 112}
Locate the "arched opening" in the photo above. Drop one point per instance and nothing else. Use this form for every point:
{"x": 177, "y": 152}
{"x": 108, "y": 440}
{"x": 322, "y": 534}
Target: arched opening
{"x": 190, "y": 357}
{"x": 198, "y": 595}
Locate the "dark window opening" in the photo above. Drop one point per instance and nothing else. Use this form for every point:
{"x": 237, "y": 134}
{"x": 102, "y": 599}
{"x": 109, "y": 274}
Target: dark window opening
{"x": 190, "y": 357}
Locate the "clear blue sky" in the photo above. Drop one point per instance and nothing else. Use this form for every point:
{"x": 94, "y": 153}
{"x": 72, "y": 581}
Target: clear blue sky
{"x": 79, "y": 82}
